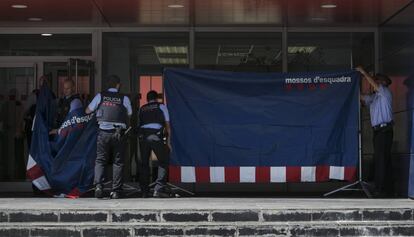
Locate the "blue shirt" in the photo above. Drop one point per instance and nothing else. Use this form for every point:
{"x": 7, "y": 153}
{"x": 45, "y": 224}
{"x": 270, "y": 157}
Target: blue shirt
{"x": 157, "y": 125}
{"x": 380, "y": 106}
{"x": 107, "y": 125}
{"x": 75, "y": 104}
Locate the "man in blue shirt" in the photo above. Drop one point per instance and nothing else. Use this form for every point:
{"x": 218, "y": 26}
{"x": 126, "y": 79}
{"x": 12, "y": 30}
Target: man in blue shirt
{"x": 113, "y": 111}
{"x": 380, "y": 107}
{"x": 154, "y": 122}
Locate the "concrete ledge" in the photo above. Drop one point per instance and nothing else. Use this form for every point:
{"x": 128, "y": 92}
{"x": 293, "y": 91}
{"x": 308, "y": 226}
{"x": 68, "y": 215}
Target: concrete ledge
{"x": 356, "y": 228}
{"x": 316, "y": 215}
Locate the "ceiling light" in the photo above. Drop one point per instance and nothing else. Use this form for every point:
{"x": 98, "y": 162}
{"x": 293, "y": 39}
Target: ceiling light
{"x": 19, "y": 6}
{"x": 171, "y": 49}
{"x": 34, "y": 19}
{"x": 173, "y": 61}
{"x": 318, "y": 19}
{"x": 301, "y": 49}
{"x": 46, "y": 34}
{"x": 328, "y": 5}
{"x": 175, "y": 6}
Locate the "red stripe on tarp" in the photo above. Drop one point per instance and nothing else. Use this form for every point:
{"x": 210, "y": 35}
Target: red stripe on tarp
{"x": 175, "y": 174}
{"x": 12, "y": 97}
{"x": 34, "y": 173}
{"x": 293, "y": 174}
{"x": 262, "y": 174}
{"x": 75, "y": 193}
{"x": 232, "y": 174}
{"x": 322, "y": 173}
{"x": 202, "y": 174}
{"x": 350, "y": 173}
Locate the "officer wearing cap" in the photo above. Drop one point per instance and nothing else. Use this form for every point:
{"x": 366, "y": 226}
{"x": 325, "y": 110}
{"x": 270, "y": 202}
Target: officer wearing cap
{"x": 153, "y": 127}
{"x": 68, "y": 103}
{"x": 380, "y": 106}
{"x": 113, "y": 110}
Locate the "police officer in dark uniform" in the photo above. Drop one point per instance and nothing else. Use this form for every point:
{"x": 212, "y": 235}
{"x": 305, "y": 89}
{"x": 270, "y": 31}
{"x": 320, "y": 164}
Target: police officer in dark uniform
{"x": 69, "y": 102}
{"x": 113, "y": 110}
{"x": 154, "y": 128}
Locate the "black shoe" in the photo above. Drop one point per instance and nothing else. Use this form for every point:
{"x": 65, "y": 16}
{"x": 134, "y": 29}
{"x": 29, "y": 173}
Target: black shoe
{"x": 159, "y": 194}
{"x": 98, "y": 191}
{"x": 115, "y": 195}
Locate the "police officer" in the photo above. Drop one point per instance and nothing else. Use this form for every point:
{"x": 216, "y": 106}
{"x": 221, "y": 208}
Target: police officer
{"x": 69, "y": 102}
{"x": 113, "y": 110}
{"x": 154, "y": 126}
{"x": 380, "y": 106}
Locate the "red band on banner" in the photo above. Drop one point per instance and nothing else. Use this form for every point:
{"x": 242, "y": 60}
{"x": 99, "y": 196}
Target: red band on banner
{"x": 175, "y": 174}
{"x": 75, "y": 193}
{"x": 202, "y": 174}
{"x": 293, "y": 174}
{"x": 262, "y": 174}
{"x": 350, "y": 173}
{"x": 322, "y": 173}
{"x": 232, "y": 174}
{"x": 34, "y": 173}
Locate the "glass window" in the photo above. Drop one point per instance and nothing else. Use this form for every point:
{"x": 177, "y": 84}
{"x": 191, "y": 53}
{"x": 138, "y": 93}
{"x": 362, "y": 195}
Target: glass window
{"x": 16, "y": 97}
{"x": 329, "y": 51}
{"x": 54, "y": 45}
{"x": 255, "y": 52}
{"x": 141, "y": 56}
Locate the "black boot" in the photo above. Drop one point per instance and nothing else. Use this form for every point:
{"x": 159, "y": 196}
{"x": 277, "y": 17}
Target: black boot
{"x": 98, "y": 191}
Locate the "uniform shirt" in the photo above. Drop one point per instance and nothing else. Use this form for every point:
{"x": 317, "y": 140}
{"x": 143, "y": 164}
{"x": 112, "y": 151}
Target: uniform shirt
{"x": 107, "y": 125}
{"x": 75, "y": 104}
{"x": 157, "y": 125}
{"x": 380, "y": 106}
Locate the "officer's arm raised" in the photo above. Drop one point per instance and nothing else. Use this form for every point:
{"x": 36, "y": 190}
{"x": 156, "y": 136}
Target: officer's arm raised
{"x": 370, "y": 80}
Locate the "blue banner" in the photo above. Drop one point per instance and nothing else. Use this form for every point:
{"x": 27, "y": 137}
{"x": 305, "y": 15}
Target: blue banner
{"x": 226, "y": 119}
{"x": 64, "y": 165}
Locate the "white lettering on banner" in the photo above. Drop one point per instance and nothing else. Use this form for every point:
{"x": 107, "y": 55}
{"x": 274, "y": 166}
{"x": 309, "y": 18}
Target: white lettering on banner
{"x": 318, "y": 79}
{"x": 76, "y": 120}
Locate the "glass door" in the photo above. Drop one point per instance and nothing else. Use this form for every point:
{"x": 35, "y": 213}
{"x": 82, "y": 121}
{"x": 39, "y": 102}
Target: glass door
{"x": 82, "y": 72}
{"x": 16, "y": 96}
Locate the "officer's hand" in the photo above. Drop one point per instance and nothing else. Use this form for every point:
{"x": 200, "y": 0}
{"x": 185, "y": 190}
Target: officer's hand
{"x": 53, "y": 132}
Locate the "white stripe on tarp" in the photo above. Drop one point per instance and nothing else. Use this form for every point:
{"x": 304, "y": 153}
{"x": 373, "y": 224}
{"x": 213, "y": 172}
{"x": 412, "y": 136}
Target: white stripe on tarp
{"x": 278, "y": 174}
{"x": 217, "y": 175}
{"x": 41, "y": 183}
{"x": 188, "y": 174}
{"x": 308, "y": 174}
{"x": 337, "y": 172}
{"x": 30, "y": 163}
{"x": 247, "y": 174}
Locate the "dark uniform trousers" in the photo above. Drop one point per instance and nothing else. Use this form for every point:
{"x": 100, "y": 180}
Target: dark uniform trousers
{"x": 383, "y": 138}
{"x": 110, "y": 149}
{"x": 162, "y": 152}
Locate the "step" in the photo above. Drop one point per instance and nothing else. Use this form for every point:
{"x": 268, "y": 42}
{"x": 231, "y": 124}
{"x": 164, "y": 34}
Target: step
{"x": 340, "y": 228}
{"x": 206, "y": 215}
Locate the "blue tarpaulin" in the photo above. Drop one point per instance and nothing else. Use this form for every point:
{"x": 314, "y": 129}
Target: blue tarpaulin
{"x": 274, "y": 127}
{"x": 63, "y": 165}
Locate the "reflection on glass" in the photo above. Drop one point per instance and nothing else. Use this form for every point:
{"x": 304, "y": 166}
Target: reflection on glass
{"x": 17, "y": 85}
{"x": 37, "y": 45}
{"x": 330, "y": 51}
{"x": 238, "y": 12}
{"x": 259, "y": 52}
